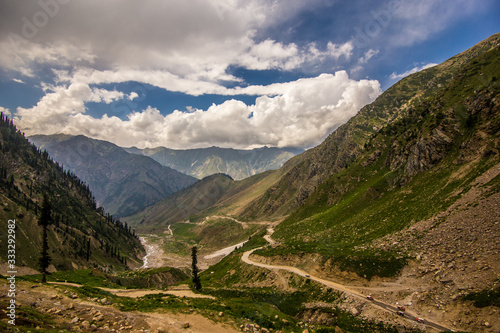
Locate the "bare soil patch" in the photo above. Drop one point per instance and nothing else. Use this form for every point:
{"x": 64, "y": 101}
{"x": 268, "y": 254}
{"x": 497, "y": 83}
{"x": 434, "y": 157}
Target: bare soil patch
{"x": 82, "y": 315}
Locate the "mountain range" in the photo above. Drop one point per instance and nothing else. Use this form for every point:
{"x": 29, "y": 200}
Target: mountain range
{"x": 127, "y": 180}
{"x": 206, "y": 194}
{"x": 122, "y": 183}
{"x": 203, "y": 162}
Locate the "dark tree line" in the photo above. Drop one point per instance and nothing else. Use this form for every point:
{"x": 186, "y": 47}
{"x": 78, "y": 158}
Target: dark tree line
{"x": 73, "y": 212}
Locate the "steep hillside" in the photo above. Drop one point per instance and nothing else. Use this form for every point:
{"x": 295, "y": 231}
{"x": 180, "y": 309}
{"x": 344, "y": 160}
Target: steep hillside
{"x": 218, "y": 194}
{"x": 238, "y": 164}
{"x": 347, "y": 143}
{"x": 276, "y": 194}
{"x": 80, "y": 235}
{"x": 413, "y": 215}
{"x": 412, "y": 169}
{"x": 185, "y": 203}
{"x": 122, "y": 183}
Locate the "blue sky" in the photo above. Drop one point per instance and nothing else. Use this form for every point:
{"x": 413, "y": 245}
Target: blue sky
{"x": 230, "y": 73}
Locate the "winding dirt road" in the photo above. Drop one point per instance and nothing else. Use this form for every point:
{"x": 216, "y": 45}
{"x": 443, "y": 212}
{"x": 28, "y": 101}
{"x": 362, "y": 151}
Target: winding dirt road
{"x": 346, "y": 289}
{"x": 243, "y": 224}
{"x": 223, "y": 252}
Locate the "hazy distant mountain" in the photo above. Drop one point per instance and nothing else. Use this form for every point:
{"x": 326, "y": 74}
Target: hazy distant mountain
{"x": 122, "y": 183}
{"x": 203, "y": 162}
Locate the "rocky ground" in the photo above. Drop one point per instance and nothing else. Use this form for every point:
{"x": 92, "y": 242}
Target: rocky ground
{"x": 455, "y": 253}
{"x": 65, "y": 310}
{"x": 156, "y": 256}
{"x": 450, "y": 255}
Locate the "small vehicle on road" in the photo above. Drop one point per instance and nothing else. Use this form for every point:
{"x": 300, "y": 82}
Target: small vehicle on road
{"x": 307, "y": 276}
{"x": 420, "y": 320}
{"x": 370, "y": 298}
{"x": 401, "y": 308}
{"x": 400, "y": 313}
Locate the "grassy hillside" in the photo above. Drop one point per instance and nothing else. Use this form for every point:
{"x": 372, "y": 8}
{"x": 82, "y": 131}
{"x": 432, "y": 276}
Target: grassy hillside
{"x": 184, "y": 204}
{"x": 347, "y": 143}
{"x": 214, "y": 195}
{"x": 413, "y": 168}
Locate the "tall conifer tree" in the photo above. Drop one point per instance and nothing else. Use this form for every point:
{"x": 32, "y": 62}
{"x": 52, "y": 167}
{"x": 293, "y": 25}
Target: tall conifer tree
{"x": 194, "y": 268}
{"x": 44, "y": 221}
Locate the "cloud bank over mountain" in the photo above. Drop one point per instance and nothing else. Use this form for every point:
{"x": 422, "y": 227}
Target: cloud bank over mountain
{"x": 298, "y": 114}
{"x": 291, "y": 57}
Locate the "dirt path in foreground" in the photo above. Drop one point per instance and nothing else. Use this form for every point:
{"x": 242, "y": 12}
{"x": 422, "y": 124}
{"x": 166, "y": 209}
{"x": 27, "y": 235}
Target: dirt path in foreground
{"x": 179, "y": 291}
{"x": 81, "y": 314}
{"x": 197, "y": 323}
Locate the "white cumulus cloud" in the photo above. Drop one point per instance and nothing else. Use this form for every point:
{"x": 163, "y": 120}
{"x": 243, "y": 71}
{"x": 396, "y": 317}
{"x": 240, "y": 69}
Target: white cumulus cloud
{"x": 299, "y": 113}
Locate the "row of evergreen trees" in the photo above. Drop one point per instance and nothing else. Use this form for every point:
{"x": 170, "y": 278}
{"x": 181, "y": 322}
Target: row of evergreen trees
{"x": 14, "y": 142}
{"x": 28, "y": 174}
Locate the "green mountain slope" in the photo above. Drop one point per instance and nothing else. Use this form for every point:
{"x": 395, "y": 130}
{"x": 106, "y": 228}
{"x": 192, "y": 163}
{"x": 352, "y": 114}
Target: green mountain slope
{"x": 218, "y": 194}
{"x": 367, "y": 179}
{"x": 426, "y": 159}
{"x": 203, "y": 162}
{"x": 81, "y": 236}
{"x": 277, "y": 194}
{"x": 346, "y": 144}
{"x": 185, "y": 203}
{"x": 122, "y": 183}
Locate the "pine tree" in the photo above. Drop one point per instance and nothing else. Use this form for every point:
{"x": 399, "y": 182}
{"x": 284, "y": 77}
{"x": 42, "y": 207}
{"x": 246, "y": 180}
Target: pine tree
{"x": 88, "y": 250}
{"x": 194, "y": 268}
{"x": 44, "y": 221}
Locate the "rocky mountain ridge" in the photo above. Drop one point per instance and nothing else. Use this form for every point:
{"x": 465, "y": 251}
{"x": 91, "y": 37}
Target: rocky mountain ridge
{"x": 122, "y": 183}
{"x": 203, "y": 162}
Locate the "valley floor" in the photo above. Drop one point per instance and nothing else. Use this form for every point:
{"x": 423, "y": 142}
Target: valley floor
{"x": 425, "y": 295}
{"x": 156, "y": 256}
